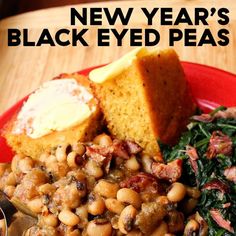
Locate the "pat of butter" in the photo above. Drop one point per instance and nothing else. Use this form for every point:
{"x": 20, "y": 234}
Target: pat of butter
{"x": 110, "y": 71}
{"x": 55, "y": 106}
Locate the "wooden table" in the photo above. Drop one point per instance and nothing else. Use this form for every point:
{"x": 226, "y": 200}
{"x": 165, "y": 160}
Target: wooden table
{"x": 23, "y": 69}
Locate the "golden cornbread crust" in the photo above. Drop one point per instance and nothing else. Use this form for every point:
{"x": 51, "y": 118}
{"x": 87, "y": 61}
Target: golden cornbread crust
{"x": 148, "y": 101}
{"x": 21, "y": 143}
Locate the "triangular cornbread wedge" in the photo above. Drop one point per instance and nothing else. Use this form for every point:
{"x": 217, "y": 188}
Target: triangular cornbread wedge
{"x": 144, "y": 97}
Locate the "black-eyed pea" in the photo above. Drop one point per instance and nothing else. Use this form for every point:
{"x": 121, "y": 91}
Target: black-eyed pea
{"x": 68, "y": 218}
{"x": 82, "y": 212}
{"x": 15, "y": 162}
{"x": 106, "y": 188}
{"x": 191, "y": 227}
{"x": 132, "y": 164}
{"x": 61, "y": 152}
{"x": 9, "y": 190}
{"x": 44, "y": 157}
{"x": 147, "y": 163}
{"x": 96, "y": 205}
{"x": 99, "y": 227}
{"x": 50, "y": 220}
{"x": 79, "y": 148}
{"x": 126, "y": 219}
{"x": 25, "y": 165}
{"x": 161, "y": 229}
{"x": 114, "y": 205}
{"x": 189, "y": 205}
{"x": 114, "y": 222}
{"x": 103, "y": 140}
{"x": 78, "y": 174}
{"x": 11, "y": 179}
{"x": 71, "y": 159}
{"x": 58, "y": 169}
{"x": 47, "y": 188}
{"x": 177, "y": 192}
{"x": 193, "y": 192}
{"x": 73, "y": 198}
{"x": 93, "y": 169}
{"x": 35, "y": 205}
{"x": 51, "y": 159}
{"x": 129, "y": 196}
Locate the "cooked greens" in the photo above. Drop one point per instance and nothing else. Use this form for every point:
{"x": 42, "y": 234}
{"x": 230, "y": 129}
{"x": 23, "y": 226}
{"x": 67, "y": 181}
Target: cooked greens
{"x": 208, "y": 151}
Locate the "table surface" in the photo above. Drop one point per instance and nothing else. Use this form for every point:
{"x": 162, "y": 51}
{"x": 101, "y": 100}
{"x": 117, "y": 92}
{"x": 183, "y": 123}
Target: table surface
{"x": 23, "y": 69}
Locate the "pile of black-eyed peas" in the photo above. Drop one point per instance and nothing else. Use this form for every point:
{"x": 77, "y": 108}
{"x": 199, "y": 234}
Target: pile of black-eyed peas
{"x": 105, "y": 187}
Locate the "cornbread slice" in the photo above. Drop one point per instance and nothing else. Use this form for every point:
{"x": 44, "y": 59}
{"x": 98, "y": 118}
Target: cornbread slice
{"x": 144, "y": 97}
{"x": 85, "y": 131}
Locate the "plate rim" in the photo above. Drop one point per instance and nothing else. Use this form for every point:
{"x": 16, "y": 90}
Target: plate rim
{"x": 187, "y": 67}
{"x": 87, "y": 70}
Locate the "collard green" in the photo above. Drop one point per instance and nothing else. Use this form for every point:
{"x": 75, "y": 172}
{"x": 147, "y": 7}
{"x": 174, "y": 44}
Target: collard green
{"x": 209, "y": 133}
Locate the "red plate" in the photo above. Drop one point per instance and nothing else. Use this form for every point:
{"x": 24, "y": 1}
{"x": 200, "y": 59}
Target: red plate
{"x": 210, "y": 87}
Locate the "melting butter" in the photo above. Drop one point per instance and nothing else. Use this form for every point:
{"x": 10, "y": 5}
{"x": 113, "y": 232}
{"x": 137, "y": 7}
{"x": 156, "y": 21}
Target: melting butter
{"x": 57, "y": 105}
{"x": 110, "y": 71}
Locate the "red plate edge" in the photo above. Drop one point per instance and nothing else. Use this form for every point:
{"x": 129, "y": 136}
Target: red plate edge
{"x": 210, "y": 86}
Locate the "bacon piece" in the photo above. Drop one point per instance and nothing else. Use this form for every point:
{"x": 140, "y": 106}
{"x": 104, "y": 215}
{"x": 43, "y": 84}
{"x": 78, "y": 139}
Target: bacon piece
{"x": 194, "y": 165}
{"x": 120, "y": 149}
{"x": 216, "y": 184}
{"x": 107, "y": 163}
{"x": 98, "y": 153}
{"x": 132, "y": 147}
{"x": 218, "y": 218}
{"x": 193, "y": 156}
{"x": 226, "y": 205}
{"x": 228, "y": 113}
{"x": 102, "y": 155}
{"x": 141, "y": 182}
{"x": 192, "y": 152}
{"x": 126, "y": 148}
{"x": 171, "y": 172}
{"x": 230, "y": 173}
{"x": 219, "y": 144}
{"x": 205, "y": 118}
